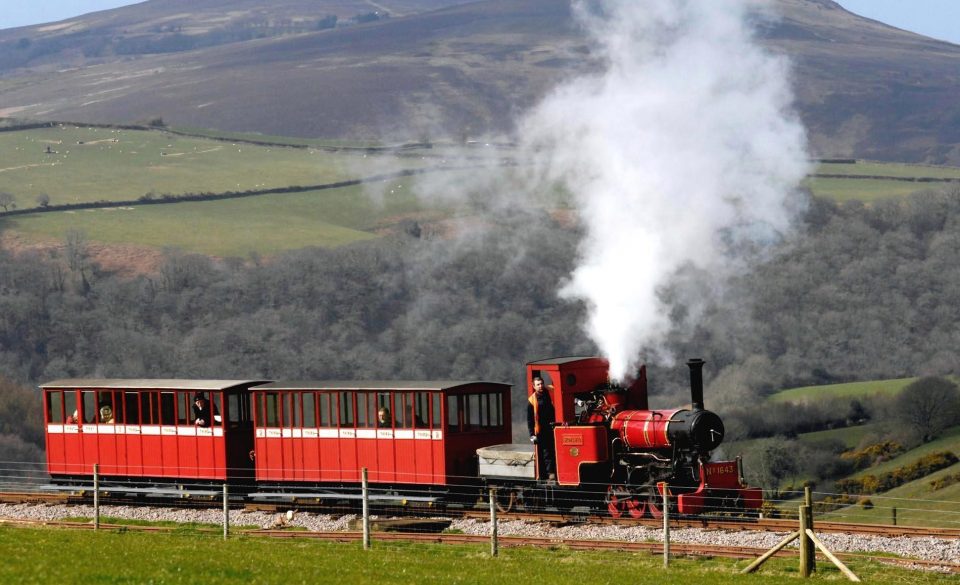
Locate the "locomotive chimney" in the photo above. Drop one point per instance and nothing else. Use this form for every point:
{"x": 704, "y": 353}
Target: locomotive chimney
{"x": 696, "y": 383}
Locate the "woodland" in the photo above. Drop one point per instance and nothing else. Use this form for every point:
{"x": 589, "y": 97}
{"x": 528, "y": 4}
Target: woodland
{"x": 858, "y": 292}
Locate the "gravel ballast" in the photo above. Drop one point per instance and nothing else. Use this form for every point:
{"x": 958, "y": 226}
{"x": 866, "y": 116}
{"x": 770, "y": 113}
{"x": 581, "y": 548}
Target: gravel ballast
{"x": 925, "y": 548}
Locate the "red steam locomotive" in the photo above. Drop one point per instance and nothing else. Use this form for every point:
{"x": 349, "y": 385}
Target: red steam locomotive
{"x": 610, "y": 445}
{"x": 423, "y": 443}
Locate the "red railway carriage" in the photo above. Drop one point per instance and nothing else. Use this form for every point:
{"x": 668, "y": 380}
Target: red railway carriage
{"x": 403, "y": 432}
{"x": 149, "y": 428}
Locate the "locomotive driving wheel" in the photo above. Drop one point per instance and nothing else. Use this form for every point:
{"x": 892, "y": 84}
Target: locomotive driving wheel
{"x": 654, "y": 502}
{"x": 506, "y": 499}
{"x": 621, "y": 502}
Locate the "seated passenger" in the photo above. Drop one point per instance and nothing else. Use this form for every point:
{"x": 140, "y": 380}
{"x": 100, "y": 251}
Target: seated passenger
{"x": 384, "y": 420}
{"x": 417, "y": 421}
{"x": 73, "y": 419}
{"x": 201, "y": 411}
{"x": 106, "y": 415}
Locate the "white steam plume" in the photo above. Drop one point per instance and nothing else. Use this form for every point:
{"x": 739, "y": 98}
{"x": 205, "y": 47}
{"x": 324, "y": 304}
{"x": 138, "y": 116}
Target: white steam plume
{"x": 683, "y": 148}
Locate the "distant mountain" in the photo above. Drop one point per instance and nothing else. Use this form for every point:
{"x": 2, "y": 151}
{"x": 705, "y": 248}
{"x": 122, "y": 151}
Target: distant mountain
{"x": 412, "y": 69}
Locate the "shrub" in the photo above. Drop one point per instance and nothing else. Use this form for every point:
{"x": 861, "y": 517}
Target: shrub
{"x": 871, "y": 484}
{"x": 948, "y": 480}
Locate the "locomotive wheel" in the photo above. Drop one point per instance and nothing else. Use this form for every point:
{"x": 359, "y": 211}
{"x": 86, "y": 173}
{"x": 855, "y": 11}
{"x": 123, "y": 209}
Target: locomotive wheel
{"x": 655, "y": 506}
{"x": 505, "y": 500}
{"x": 654, "y": 503}
{"x": 618, "y": 505}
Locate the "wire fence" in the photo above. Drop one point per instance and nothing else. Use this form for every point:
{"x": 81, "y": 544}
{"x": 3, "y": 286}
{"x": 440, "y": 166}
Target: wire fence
{"x": 424, "y": 495}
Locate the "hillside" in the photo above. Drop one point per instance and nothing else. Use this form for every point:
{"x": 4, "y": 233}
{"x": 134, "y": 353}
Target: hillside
{"x": 864, "y": 89}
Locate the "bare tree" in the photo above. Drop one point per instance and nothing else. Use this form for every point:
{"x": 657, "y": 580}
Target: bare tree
{"x": 7, "y": 200}
{"x": 928, "y": 406}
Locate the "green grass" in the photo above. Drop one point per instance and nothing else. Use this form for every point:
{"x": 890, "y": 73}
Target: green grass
{"x": 113, "y": 165}
{"x": 887, "y": 169}
{"x": 291, "y": 140}
{"x": 236, "y": 227}
{"x": 917, "y": 504}
{"x": 849, "y": 436}
{"x": 848, "y": 390}
{"x": 120, "y": 165}
{"x": 867, "y": 190}
{"x": 35, "y": 555}
{"x": 950, "y": 441}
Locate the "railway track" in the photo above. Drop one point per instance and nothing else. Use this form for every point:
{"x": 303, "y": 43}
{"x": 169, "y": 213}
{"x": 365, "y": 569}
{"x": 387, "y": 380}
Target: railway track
{"x": 764, "y": 524}
{"x": 706, "y": 523}
{"x": 677, "y": 549}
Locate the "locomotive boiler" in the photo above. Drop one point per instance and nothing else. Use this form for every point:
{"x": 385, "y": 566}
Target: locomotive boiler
{"x": 612, "y": 449}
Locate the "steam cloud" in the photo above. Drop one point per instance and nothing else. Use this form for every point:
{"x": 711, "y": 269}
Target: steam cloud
{"x": 682, "y": 151}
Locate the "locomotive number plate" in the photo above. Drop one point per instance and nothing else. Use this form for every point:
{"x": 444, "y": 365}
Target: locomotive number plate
{"x": 573, "y": 439}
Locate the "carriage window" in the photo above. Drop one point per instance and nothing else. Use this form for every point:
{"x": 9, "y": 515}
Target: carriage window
{"x": 366, "y": 410}
{"x": 421, "y": 410}
{"x": 105, "y": 413}
{"x": 309, "y": 410}
{"x": 109, "y": 407}
{"x": 149, "y": 408}
{"x": 217, "y": 418}
{"x": 384, "y": 402}
{"x": 286, "y": 413}
{"x": 271, "y": 416}
{"x": 234, "y": 412}
{"x": 437, "y": 421}
{"x": 453, "y": 413}
{"x": 167, "y": 410}
{"x": 70, "y": 406}
{"x": 496, "y": 401}
{"x": 473, "y": 410}
{"x": 184, "y": 408}
{"x": 130, "y": 409}
{"x": 404, "y": 413}
{"x": 89, "y": 406}
{"x": 346, "y": 409}
{"x": 55, "y": 407}
{"x": 325, "y": 418}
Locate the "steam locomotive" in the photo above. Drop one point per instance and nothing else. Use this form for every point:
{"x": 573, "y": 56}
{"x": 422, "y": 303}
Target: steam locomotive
{"x": 422, "y": 442}
{"x": 608, "y": 441}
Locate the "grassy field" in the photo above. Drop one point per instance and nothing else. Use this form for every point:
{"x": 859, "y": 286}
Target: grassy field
{"x": 54, "y": 555}
{"x": 887, "y": 169}
{"x": 236, "y": 227}
{"x": 112, "y": 165}
{"x": 102, "y": 164}
{"x": 867, "y": 190}
{"x": 849, "y": 436}
{"x": 950, "y": 441}
{"x": 917, "y": 504}
{"x": 848, "y": 390}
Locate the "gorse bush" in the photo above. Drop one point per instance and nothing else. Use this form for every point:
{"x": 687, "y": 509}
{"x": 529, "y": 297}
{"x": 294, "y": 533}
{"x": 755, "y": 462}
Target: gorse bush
{"x": 872, "y": 484}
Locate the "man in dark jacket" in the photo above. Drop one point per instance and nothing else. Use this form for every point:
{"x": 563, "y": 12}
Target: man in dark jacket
{"x": 201, "y": 411}
{"x": 540, "y": 418}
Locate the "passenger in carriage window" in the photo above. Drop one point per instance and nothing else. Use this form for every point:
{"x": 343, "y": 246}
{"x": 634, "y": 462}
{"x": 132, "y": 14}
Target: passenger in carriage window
{"x": 384, "y": 420}
{"x": 201, "y": 410}
{"x": 106, "y": 415}
{"x": 74, "y": 419}
{"x": 417, "y": 420}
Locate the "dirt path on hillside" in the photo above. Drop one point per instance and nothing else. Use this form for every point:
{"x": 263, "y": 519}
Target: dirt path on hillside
{"x": 30, "y": 166}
